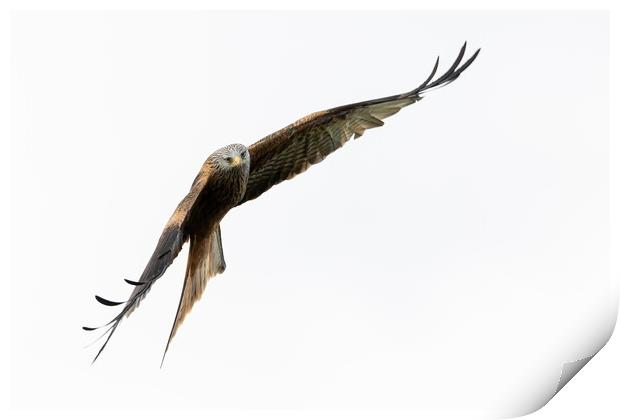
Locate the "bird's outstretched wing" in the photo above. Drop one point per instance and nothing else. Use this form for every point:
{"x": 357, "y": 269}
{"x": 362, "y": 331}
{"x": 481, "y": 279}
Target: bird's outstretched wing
{"x": 168, "y": 247}
{"x": 293, "y": 149}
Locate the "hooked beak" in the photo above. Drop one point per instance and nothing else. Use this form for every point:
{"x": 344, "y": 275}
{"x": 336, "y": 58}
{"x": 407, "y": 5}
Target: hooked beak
{"x": 236, "y": 160}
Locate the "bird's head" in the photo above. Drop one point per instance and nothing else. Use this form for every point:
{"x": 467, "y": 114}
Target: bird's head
{"x": 232, "y": 156}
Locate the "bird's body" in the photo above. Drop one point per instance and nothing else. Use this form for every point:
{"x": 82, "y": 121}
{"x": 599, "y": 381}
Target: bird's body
{"x": 218, "y": 187}
{"x": 235, "y": 174}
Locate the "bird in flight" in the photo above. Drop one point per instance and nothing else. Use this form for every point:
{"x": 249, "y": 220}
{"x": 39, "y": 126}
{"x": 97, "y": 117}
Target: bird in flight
{"x": 236, "y": 174}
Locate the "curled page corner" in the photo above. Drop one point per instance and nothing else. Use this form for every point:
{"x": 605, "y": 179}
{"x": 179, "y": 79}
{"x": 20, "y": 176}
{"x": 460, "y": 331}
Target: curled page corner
{"x": 601, "y": 338}
{"x": 580, "y": 346}
{"x": 570, "y": 369}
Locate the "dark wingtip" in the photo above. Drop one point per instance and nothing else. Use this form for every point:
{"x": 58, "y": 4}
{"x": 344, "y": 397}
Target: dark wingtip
{"x": 134, "y": 283}
{"x": 107, "y": 302}
{"x": 111, "y": 332}
{"x": 452, "y": 73}
{"x": 446, "y": 76}
{"x": 98, "y": 353}
{"x": 430, "y": 77}
{"x": 89, "y": 328}
{"x": 466, "y": 64}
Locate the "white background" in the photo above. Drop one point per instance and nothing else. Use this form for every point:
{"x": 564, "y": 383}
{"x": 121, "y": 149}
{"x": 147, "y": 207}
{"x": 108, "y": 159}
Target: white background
{"x": 484, "y": 273}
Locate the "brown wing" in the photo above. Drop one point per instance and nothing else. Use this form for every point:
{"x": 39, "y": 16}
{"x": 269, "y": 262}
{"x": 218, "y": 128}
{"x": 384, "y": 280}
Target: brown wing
{"x": 168, "y": 247}
{"x": 293, "y": 149}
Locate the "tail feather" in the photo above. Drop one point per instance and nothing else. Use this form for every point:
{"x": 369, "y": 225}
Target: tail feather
{"x": 205, "y": 260}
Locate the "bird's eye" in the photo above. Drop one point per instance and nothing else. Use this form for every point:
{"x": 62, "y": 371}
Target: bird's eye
{"x": 243, "y": 154}
{"x": 228, "y": 159}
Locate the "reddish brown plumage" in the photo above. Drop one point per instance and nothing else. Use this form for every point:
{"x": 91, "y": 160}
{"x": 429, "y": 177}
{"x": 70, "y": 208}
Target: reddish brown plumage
{"x": 230, "y": 177}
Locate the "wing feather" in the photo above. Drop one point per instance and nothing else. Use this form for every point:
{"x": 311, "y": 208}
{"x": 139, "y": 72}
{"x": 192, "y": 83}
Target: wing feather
{"x": 168, "y": 247}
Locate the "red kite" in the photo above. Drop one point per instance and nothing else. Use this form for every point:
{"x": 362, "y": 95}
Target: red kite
{"x": 235, "y": 174}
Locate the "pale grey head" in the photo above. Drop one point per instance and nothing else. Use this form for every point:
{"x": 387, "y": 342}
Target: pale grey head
{"x": 231, "y": 157}
{"x": 230, "y": 169}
